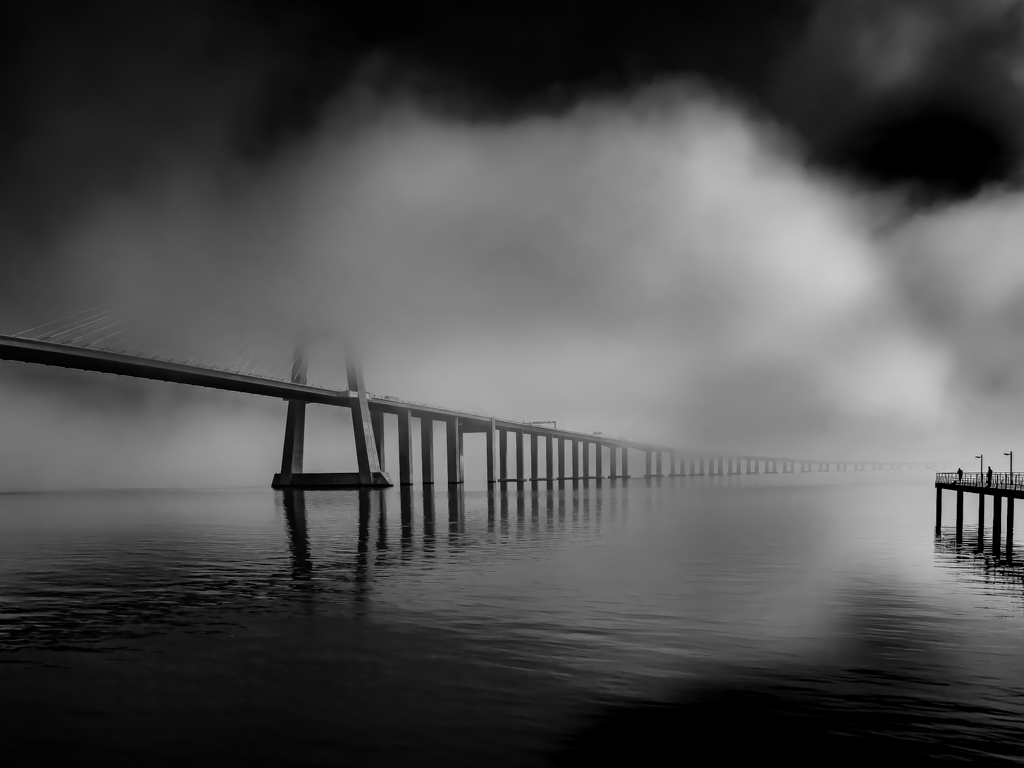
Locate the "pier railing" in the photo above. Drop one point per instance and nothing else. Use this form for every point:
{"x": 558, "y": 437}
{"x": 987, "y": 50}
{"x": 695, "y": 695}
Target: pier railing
{"x": 1000, "y": 480}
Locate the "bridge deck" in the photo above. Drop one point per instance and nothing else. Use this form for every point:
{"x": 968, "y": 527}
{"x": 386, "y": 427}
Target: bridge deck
{"x": 100, "y": 361}
{"x": 118, "y": 364}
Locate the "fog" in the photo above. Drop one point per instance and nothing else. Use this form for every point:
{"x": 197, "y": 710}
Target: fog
{"x": 667, "y": 264}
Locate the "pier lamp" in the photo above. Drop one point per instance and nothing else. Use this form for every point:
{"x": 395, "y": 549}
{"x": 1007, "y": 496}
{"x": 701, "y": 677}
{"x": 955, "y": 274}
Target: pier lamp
{"x": 1010, "y": 454}
{"x": 981, "y": 466}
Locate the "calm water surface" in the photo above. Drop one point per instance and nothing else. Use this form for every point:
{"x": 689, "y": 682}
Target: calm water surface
{"x": 527, "y": 625}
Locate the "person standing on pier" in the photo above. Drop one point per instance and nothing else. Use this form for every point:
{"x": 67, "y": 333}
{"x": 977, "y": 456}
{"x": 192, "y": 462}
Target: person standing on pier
{"x": 988, "y": 478}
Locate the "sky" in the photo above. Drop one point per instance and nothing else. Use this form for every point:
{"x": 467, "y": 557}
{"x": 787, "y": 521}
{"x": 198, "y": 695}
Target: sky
{"x": 783, "y": 228}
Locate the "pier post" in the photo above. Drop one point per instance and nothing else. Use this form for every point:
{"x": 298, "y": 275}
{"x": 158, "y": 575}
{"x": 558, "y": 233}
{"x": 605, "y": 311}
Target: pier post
{"x": 520, "y": 469}
{"x": 492, "y": 452}
{"x": 586, "y": 460}
{"x": 427, "y": 448}
{"x": 455, "y": 473}
{"x": 960, "y": 514}
{"x": 574, "y": 447}
{"x": 648, "y": 464}
{"x": 981, "y": 520}
{"x": 561, "y": 458}
{"x": 997, "y": 525}
{"x": 377, "y": 419}
{"x": 549, "y": 458}
{"x": 533, "y": 456}
{"x": 503, "y": 454}
{"x": 599, "y": 455}
{"x": 938, "y": 508}
{"x": 1009, "y": 527}
{"x": 405, "y": 447}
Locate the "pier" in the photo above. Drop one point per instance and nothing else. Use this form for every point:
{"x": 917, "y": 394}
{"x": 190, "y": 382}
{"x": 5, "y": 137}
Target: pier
{"x": 1001, "y": 486}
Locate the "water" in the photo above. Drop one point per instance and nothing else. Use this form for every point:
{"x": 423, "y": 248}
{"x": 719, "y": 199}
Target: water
{"x": 534, "y": 625}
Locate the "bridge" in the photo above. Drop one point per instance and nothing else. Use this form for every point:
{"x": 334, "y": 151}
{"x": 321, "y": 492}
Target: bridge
{"x": 78, "y": 344}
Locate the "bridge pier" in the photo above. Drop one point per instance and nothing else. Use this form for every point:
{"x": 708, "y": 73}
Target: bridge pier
{"x": 427, "y": 449}
{"x": 561, "y": 458}
{"x": 658, "y": 468}
{"x": 647, "y": 465}
{"x": 368, "y": 451}
{"x": 455, "y": 469}
{"x": 625, "y": 462}
{"x": 960, "y": 514}
{"x": 549, "y": 458}
{"x": 533, "y": 456}
{"x": 613, "y": 461}
{"x": 405, "y": 447}
{"x": 503, "y": 455}
{"x": 586, "y": 459}
{"x": 520, "y": 469}
{"x": 492, "y": 452}
{"x": 599, "y": 460}
{"x": 377, "y": 420}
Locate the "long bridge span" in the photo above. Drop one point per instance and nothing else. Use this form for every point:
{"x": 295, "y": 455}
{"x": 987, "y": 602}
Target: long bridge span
{"x": 587, "y": 452}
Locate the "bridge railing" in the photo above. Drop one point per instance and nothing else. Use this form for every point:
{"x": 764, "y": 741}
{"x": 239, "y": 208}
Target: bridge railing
{"x": 1000, "y": 480}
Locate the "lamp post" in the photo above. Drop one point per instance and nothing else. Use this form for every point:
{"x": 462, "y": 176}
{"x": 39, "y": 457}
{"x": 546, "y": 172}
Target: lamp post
{"x": 1010, "y": 454}
{"x": 981, "y": 464}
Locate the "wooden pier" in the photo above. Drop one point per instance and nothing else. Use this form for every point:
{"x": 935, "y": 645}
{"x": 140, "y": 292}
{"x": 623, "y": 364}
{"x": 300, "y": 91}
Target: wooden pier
{"x": 998, "y": 485}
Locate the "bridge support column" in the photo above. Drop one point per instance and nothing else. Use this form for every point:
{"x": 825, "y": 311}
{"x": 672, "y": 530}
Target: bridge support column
{"x": 648, "y": 464}
{"x": 613, "y": 461}
{"x": 520, "y": 469}
{"x": 657, "y": 463}
{"x": 960, "y": 514}
{"x": 561, "y": 458}
{"x": 574, "y": 445}
{"x": 427, "y": 449}
{"x": 377, "y": 420}
{"x": 370, "y": 472}
{"x": 625, "y": 462}
{"x": 454, "y": 429}
{"x": 294, "y": 431}
{"x": 598, "y": 454}
{"x": 503, "y": 454}
{"x": 492, "y": 452}
{"x": 405, "y": 447}
{"x": 294, "y": 440}
{"x": 938, "y": 508}
{"x": 549, "y": 458}
{"x": 533, "y": 456}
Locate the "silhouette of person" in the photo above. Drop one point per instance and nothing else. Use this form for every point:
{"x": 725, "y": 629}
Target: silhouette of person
{"x": 988, "y": 477}
{"x": 959, "y": 475}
